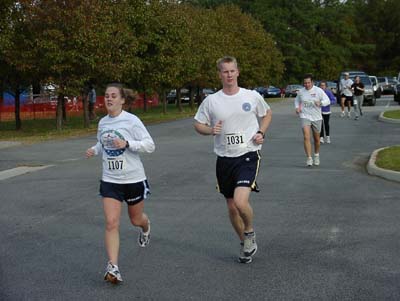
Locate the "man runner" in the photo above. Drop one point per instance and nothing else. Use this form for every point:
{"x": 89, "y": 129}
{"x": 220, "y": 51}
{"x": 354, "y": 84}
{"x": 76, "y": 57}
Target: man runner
{"x": 231, "y": 116}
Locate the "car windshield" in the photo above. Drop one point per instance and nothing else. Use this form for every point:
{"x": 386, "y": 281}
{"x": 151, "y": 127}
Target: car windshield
{"x": 366, "y": 81}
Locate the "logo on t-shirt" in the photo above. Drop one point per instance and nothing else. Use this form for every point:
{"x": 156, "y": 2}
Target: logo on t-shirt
{"x": 107, "y": 140}
{"x": 246, "y": 107}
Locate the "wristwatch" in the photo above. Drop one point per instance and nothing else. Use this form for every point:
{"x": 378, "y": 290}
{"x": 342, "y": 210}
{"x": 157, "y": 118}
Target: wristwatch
{"x": 127, "y": 144}
{"x": 260, "y": 132}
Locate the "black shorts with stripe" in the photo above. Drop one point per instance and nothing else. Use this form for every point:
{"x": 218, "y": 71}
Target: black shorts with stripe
{"x": 239, "y": 171}
{"x": 132, "y": 193}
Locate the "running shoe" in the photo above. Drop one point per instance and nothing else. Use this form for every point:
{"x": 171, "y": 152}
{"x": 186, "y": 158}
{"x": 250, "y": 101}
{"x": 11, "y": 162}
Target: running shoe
{"x": 316, "y": 160}
{"x": 144, "y": 238}
{"x": 249, "y": 244}
{"x": 342, "y": 114}
{"x": 356, "y": 118}
{"x": 112, "y": 273}
{"x": 242, "y": 258}
{"x": 321, "y": 140}
{"x": 349, "y": 114}
{"x": 328, "y": 139}
{"x": 309, "y": 161}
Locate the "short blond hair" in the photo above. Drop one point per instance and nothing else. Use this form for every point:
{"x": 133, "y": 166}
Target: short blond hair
{"x": 226, "y": 59}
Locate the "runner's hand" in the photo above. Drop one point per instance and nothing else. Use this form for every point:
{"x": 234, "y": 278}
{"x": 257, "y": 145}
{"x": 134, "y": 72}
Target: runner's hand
{"x": 119, "y": 143}
{"x": 258, "y": 138}
{"x": 216, "y": 130}
{"x": 90, "y": 152}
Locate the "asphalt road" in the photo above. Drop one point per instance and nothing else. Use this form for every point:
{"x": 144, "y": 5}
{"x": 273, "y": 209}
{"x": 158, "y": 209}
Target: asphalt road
{"x": 324, "y": 233}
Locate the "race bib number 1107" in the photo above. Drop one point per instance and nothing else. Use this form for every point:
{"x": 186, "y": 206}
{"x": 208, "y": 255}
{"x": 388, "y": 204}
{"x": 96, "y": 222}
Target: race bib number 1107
{"x": 115, "y": 163}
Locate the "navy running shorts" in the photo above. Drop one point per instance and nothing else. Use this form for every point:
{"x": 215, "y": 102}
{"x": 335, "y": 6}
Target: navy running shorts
{"x": 237, "y": 172}
{"x": 132, "y": 193}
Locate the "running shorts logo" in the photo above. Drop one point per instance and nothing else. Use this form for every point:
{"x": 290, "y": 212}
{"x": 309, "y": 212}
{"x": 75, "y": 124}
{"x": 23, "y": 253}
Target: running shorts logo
{"x": 246, "y": 107}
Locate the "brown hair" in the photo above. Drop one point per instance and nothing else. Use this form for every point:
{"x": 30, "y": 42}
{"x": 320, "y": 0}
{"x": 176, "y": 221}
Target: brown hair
{"x": 308, "y": 75}
{"x": 126, "y": 94}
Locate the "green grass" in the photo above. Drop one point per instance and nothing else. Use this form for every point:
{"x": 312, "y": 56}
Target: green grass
{"x": 389, "y": 158}
{"x": 395, "y": 114}
{"x": 35, "y": 130}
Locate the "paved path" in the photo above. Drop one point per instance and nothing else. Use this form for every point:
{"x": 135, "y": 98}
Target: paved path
{"x": 326, "y": 233}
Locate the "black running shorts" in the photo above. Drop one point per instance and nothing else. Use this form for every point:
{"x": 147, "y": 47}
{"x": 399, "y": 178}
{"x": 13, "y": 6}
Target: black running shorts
{"x": 348, "y": 98}
{"x": 130, "y": 193}
{"x": 237, "y": 172}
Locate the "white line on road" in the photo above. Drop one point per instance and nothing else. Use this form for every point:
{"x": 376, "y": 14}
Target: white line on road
{"x": 13, "y": 172}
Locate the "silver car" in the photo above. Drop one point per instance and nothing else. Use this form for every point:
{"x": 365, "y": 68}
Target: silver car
{"x": 375, "y": 84}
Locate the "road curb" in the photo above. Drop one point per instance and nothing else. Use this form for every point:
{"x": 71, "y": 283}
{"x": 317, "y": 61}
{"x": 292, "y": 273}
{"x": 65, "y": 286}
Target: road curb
{"x": 385, "y": 119}
{"x": 381, "y": 172}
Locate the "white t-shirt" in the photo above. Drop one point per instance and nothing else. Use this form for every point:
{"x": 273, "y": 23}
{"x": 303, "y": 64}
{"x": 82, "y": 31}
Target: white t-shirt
{"x": 306, "y": 101}
{"x": 345, "y": 87}
{"x": 239, "y": 114}
{"x": 123, "y": 166}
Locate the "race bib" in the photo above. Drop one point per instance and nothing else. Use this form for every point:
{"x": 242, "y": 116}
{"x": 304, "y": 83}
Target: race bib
{"x": 235, "y": 140}
{"x": 116, "y": 163}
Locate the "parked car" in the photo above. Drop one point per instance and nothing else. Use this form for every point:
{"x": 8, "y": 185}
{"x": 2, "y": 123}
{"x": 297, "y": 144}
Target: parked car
{"x": 262, "y": 91}
{"x": 384, "y": 83}
{"x": 207, "y": 91}
{"x": 269, "y": 91}
{"x": 375, "y": 84}
{"x": 352, "y": 74}
{"x": 392, "y": 83}
{"x": 291, "y": 90}
{"x": 273, "y": 92}
{"x": 171, "y": 96}
{"x": 369, "y": 95}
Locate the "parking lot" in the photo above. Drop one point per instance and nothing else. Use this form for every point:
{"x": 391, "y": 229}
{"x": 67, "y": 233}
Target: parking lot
{"x": 324, "y": 233}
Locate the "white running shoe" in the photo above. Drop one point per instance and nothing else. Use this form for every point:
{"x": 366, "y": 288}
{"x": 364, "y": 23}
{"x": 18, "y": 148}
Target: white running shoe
{"x": 316, "y": 160}
{"x": 144, "y": 238}
{"x": 321, "y": 140}
{"x": 342, "y": 114}
{"x": 349, "y": 114}
{"x": 242, "y": 258}
{"x": 309, "y": 161}
{"x": 249, "y": 244}
{"x": 112, "y": 273}
{"x": 328, "y": 139}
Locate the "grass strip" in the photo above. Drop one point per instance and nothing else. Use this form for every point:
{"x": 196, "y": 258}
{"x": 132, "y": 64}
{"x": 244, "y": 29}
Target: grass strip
{"x": 395, "y": 114}
{"x": 389, "y": 158}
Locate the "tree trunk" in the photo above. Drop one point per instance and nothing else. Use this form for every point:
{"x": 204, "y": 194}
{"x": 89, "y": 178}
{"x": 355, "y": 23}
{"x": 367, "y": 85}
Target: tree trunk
{"x": 191, "y": 100}
{"x": 178, "y": 100}
{"x": 85, "y": 104}
{"x": 59, "y": 112}
{"x": 164, "y": 101}
{"x": 144, "y": 102}
{"x": 17, "y": 109}
{"x": 64, "y": 110}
